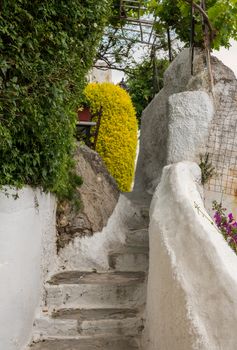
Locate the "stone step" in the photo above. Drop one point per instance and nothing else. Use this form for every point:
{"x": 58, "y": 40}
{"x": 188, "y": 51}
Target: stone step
{"x": 127, "y": 325}
{"x": 107, "y": 320}
{"x": 91, "y": 277}
{"x": 48, "y": 327}
{"x": 87, "y": 343}
{"x": 138, "y": 225}
{"x": 129, "y": 259}
{"x": 139, "y": 219}
{"x": 76, "y": 289}
{"x": 138, "y": 238}
{"x": 139, "y": 199}
{"x": 94, "y": 314}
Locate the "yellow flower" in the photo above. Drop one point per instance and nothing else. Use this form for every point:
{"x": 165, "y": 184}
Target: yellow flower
{"x": 117, "y": 139}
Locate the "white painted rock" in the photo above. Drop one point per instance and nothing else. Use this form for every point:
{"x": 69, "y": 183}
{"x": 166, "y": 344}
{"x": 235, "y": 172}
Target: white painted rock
{"x": 190, "y": 114}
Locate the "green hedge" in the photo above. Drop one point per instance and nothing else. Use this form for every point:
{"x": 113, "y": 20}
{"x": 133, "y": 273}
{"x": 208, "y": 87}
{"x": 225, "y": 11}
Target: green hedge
{"x": 47, "y": 47}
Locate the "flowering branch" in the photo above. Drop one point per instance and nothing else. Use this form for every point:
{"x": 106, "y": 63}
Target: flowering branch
{"x": 226, "y": 224}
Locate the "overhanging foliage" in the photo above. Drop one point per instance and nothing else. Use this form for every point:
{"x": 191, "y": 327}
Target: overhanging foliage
{"x": 47, "y": 47}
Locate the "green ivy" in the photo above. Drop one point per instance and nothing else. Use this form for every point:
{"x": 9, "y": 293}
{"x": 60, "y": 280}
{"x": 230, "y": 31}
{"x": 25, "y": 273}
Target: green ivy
{"x": 46, "y": 50}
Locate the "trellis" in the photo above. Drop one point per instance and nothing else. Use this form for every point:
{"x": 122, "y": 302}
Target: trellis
{"x": 222, "y": 144}
{"x": 136, "y": 25}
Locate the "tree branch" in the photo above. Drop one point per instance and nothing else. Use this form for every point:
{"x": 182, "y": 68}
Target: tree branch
{"x": 200, "y": 9}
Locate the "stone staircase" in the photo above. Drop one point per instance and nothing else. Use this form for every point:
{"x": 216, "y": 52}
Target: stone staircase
{"x": 92, "y": 310}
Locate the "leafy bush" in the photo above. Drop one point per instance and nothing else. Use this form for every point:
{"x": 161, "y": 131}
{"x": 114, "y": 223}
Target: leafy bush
{"x": 144, "y": 81}
{"x": 117, "y": 138}
{"x": 47, "y": 47}
{"x": 176, "y": 14}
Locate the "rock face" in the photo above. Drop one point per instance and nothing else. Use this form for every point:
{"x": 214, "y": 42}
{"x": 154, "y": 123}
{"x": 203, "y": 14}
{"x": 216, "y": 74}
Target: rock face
{"x": 98, "y": 196}
{"x": 158, "y": 116}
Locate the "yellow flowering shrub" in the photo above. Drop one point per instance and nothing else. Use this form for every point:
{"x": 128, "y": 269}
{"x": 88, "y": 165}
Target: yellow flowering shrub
{"x": 117, "y": 139}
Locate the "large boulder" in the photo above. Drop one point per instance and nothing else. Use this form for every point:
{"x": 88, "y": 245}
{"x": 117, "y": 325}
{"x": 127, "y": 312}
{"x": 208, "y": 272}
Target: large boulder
{"x": 157, "y": 118}
{"x": 98, "y": 198}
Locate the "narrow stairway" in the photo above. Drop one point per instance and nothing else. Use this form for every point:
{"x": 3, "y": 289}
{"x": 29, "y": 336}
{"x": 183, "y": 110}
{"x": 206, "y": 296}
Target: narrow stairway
{"x": 100, "y": 310}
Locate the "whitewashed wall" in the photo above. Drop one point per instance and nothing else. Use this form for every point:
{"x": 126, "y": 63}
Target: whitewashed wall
{"x": 27, "y": 227}
{"x": 192, "y": 284}
{"x": 89, "y": 252}
{"x": 100, "y": 75}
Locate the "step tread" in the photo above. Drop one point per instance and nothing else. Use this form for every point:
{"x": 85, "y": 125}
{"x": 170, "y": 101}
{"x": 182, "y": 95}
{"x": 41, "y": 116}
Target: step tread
{"x": 105, "y": 278}
{"x": 74, "y": 325}
{"x": 139, "y": 198}
{"x": 94, "y": 314}
{"x": 130, "y": 250}
{"x": 132, "y": 231}
{"x": 105, "y": 342}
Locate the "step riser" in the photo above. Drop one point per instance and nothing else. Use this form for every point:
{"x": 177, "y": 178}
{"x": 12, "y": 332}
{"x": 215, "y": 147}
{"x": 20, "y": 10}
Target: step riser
{"x": 139, "y": 219}
{"x": 141, "y": 224}
{"x": 127, "y": 327}
{"x": 129, "y": 262}
{"x": 138, "y": 238}
{"x": 47, "y": 327}
{"x": 90, "y": 344}
{"x": 80, "y": 296}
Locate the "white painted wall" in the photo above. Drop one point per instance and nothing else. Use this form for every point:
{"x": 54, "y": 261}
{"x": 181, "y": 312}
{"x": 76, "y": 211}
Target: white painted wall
{"x": 90, "y": 252}
{"x": 24, "y": 225}
{"x": 100, "y": 75}
{"x": 192, "y": 284}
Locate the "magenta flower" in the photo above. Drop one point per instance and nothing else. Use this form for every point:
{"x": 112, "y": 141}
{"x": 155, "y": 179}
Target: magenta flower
{"x": 217, "y": 218}
{"x": 226, "y": 224}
